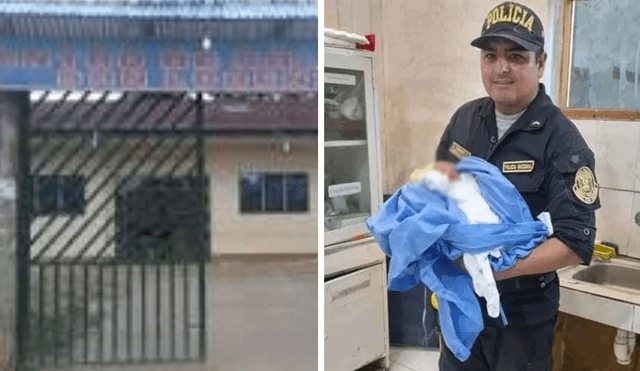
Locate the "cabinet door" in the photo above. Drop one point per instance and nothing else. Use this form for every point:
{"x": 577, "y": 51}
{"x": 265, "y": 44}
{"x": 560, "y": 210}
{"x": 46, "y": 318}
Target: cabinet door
{"x": 354, "y": 319}
{"x": 350, "y": 147}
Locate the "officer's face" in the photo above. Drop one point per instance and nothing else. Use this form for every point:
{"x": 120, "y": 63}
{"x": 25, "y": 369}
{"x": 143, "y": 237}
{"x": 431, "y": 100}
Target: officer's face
{"x": 510, "y": 75}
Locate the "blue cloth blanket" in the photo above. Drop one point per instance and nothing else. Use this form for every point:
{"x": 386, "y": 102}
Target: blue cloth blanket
{"x": 423, "y": 231}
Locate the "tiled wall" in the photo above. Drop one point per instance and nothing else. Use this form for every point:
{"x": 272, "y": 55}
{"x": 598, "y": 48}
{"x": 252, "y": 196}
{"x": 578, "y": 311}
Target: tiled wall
{"x": 616, "y": 145}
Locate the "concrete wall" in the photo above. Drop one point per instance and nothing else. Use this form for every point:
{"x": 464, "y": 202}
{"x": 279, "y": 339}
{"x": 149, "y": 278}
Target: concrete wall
{"x": 9, "y": 120}
{"x": 358, "y": 16}
{"x": 236, "y": 233}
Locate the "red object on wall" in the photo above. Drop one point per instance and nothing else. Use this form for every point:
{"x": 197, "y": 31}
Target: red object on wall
{"x": 372, "y": 43}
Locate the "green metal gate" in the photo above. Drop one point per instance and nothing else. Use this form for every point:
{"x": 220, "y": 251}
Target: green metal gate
{"x": 114, "y": 240}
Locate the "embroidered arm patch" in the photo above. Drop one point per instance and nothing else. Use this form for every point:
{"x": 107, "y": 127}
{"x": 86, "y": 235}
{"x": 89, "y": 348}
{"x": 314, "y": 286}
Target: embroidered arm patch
{"x": 585, "y": 186}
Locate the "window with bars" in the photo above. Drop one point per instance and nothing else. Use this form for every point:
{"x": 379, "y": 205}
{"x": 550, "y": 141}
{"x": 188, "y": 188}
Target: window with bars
{"x": 271, "y": 192}
{"x": 58, "y": 195}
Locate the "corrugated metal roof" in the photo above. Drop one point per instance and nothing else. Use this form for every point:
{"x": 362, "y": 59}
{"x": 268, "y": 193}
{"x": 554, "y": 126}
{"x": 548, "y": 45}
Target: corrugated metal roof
{"x": 184, "y": 9}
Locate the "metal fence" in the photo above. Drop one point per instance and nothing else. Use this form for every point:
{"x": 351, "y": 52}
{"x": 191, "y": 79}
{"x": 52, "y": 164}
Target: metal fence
{"x": 113, "y": 242}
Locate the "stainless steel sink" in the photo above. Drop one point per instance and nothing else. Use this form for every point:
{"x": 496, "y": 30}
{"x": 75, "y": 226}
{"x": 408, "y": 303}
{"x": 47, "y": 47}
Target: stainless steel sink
{"x": 605, "y": 291}
{"x": 608, "y": 292}
{"x": 611, "y": 275}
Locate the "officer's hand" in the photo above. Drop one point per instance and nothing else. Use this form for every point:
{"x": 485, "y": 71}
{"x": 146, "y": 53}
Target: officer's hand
{"x": 448, "y": 169}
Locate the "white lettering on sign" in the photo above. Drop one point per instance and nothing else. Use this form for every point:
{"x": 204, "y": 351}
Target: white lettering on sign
{"x": 339, "y": 78}
{"x": 345, "y": 189}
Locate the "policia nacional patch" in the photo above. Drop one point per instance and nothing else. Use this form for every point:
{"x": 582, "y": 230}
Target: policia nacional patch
{"x": 585, "y": 187}
{"x": 518, "y": 166}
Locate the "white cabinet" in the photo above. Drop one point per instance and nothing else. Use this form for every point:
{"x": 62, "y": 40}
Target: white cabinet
{"x": 355, "y": 306}
{"x": 351, "y": 148}
{"x": 356, "y": 324}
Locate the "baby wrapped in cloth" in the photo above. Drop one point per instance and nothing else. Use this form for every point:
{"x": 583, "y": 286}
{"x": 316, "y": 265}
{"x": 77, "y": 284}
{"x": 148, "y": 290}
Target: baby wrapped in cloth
{"x": 428, "y": 224}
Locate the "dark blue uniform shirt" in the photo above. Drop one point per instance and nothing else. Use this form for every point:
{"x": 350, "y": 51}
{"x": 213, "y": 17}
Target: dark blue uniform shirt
{"x": 548, "y": 161}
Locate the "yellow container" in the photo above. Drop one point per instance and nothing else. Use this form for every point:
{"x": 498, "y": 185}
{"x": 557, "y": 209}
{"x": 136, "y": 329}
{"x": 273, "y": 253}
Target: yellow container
{"x": 604, "y": 250}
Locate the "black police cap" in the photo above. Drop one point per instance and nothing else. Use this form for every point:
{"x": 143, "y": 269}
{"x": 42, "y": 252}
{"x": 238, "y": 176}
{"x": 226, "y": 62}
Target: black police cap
{"x": 515, "y": 22}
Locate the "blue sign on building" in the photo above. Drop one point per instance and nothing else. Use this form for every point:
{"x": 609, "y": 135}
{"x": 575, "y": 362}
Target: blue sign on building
{"x": 159, "y": 45}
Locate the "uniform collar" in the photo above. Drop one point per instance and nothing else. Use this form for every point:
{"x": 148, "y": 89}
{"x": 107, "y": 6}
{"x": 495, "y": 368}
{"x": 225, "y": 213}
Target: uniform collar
{"x": 533, "y": 118}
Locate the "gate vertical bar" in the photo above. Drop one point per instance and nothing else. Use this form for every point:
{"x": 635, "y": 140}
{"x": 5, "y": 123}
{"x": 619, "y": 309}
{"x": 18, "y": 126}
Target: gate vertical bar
{"x": 100, "y": 314}
{"x": 172, "y": 310}
{"x": 86, "y": 314}
{"x": 200, "y": 221}
{"x": 185, "y": 311}
{"x": 114, "y": 325}
{"x": 129, "y": 310}
{"x": 143, "y": 312}
{"x": 158, "y": 303}
{"x": 41, "y": 335}
{"x": 23, "y": 211}
{"x": 71, "y": 313}
{"x": 56, "y": 313}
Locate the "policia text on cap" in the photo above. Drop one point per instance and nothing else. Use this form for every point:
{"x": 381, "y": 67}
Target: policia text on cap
{"x": 518, "y": 124}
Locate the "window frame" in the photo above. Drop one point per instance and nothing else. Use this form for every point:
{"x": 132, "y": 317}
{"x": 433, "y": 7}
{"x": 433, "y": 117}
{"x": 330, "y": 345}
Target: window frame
{"x": 59, "y": 182}
{"x": 285, "y": 182}
{"x": 566, "y": 59}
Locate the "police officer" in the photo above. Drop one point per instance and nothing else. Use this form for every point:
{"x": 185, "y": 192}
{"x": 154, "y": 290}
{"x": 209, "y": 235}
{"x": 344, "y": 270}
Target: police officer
{"x": 518, "y": 129}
